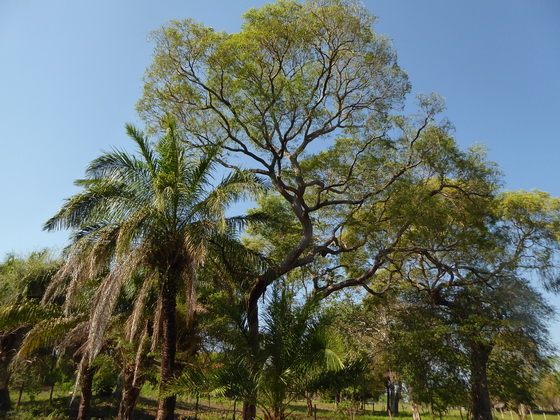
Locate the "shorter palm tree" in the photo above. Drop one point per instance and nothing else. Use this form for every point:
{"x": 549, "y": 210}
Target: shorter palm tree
{"x": 296, "y": 345}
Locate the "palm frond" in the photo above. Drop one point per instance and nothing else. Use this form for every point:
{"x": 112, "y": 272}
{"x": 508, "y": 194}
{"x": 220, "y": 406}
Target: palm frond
{"x": 195, "y": 380}
{"x": 106, "y": 299}
{"x": 26, "y": 312}
{"x": 91, "y": 206}
{"x": 139, "y": 354}
{"x": 157, "y": 324}
{"x": 236, "y": 186}
{"x": 75, "y": 338}
{"x": 116, "y": 164}
{"x": 46, "y": 334}
{"x": 144, "y": 146}
{"x": 199, "y": 176}
{"x": 139, "y": 306}
{"x": 190, "y": 280}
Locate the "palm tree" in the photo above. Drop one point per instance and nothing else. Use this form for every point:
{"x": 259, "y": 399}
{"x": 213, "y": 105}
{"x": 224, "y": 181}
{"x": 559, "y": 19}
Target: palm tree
{"x": 153, "y": 212}
{"x": 296, "y": 346}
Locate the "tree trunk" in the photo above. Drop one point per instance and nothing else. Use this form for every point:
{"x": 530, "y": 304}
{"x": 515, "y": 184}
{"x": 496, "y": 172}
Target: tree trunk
{"x": 20, "y": 394}
{"x": 166, "y": 405}
{"x": 5, "y": 402}
{"x": 415, "y": 411}
{"x": 249, "y": 410}
{"x": 480, "y": 397}
{"x": 309, "y": 404}
{"x": 394, "y": 391}
{"x": 51, "y": 394}
{"x": 130, "y": 394}
{"x": 522, "y": 411}
{"x": 249, "y": 407}
{"x": 85, "y": 400}
{"x": 133, "y": 379}
{"x": 7, "y": 344}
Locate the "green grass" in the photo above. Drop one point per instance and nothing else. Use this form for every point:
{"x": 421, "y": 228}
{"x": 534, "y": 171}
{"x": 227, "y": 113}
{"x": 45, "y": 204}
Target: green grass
{"x": 38, "y": 407}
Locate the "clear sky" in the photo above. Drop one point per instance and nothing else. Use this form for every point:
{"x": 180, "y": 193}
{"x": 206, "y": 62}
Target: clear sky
{"x": 70, "y": 75}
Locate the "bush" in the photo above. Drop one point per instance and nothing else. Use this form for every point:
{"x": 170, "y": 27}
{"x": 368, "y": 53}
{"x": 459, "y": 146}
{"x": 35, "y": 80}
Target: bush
{"x": 106, "y": 378}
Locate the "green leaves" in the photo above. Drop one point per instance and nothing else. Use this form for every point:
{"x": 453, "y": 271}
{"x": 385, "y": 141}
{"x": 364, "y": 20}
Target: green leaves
{"x": 25, "y": 313}
{"x": 297, "y": 345}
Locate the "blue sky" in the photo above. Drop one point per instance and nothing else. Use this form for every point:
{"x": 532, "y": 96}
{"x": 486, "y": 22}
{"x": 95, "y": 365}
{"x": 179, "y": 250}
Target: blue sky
{"x": 70, "y": 75}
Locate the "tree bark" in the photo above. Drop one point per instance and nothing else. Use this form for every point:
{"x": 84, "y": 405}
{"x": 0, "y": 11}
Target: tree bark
{"x": 480, "y": 397}
{"x": 130, "y": 394}
{"x": 394, "y": 391}
{"x": 166, "y": 405}
{"x": 249, "y": 410}
{"x": 86, "y": 391}
{"x": 7, "y": 344}
{"x": 133, "y": 379}
{"x": 415, "y": 411}
{"x": 309, "y": 404}
{"x": 20, "y": 394}
{"x": 249, "y": 406}
{"x": 5, "y": 402}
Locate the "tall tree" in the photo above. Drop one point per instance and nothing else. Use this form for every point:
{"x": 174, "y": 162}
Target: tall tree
{"x": 503, "y": 335}
{"x": 297, "y": 78}
{"x": 153, "y": 212}
{"x": 521, "y": 237}
{"x": 306, "y": 95}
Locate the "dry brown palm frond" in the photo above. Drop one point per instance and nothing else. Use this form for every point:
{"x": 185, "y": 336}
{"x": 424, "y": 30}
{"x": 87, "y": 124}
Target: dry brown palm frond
{"x": 140, "y": 349}
{"x": 130, "y": 229}
{"x": 195, "y": 246}
{"x": 139, "y": 306}
{"x": 157, "y": 324}
{"x": 75, "y": 279}
{"x": 101, "y": 252}
{"x": 45, "y": 334}
{"x": 75, "y": 268}
{"x": 190, "y": 280}
{"x": 55, "y": 287}
{"x": 87, "y": 258}
{"x": 75, "y": 337}
{"x": 106, "y": 299}
{"x": 79, "y": 375}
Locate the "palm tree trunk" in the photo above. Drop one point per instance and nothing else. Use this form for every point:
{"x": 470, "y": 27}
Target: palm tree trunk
{"x": 7, "y": 343}
{"x": 249, "y": 410}
{"x": 309, "y": 404}
{"x": 20, "y": 394}
{"x": 131, "y": 391}
{"x": 5, "y": 402}
{"x": 166, "y": 405}
{"x": 86, "y": 391}
{"x": 128, "y": 402}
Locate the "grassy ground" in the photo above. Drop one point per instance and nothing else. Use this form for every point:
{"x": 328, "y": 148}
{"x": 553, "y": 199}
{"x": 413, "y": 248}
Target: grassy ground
{"x": 38, "y": 407}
